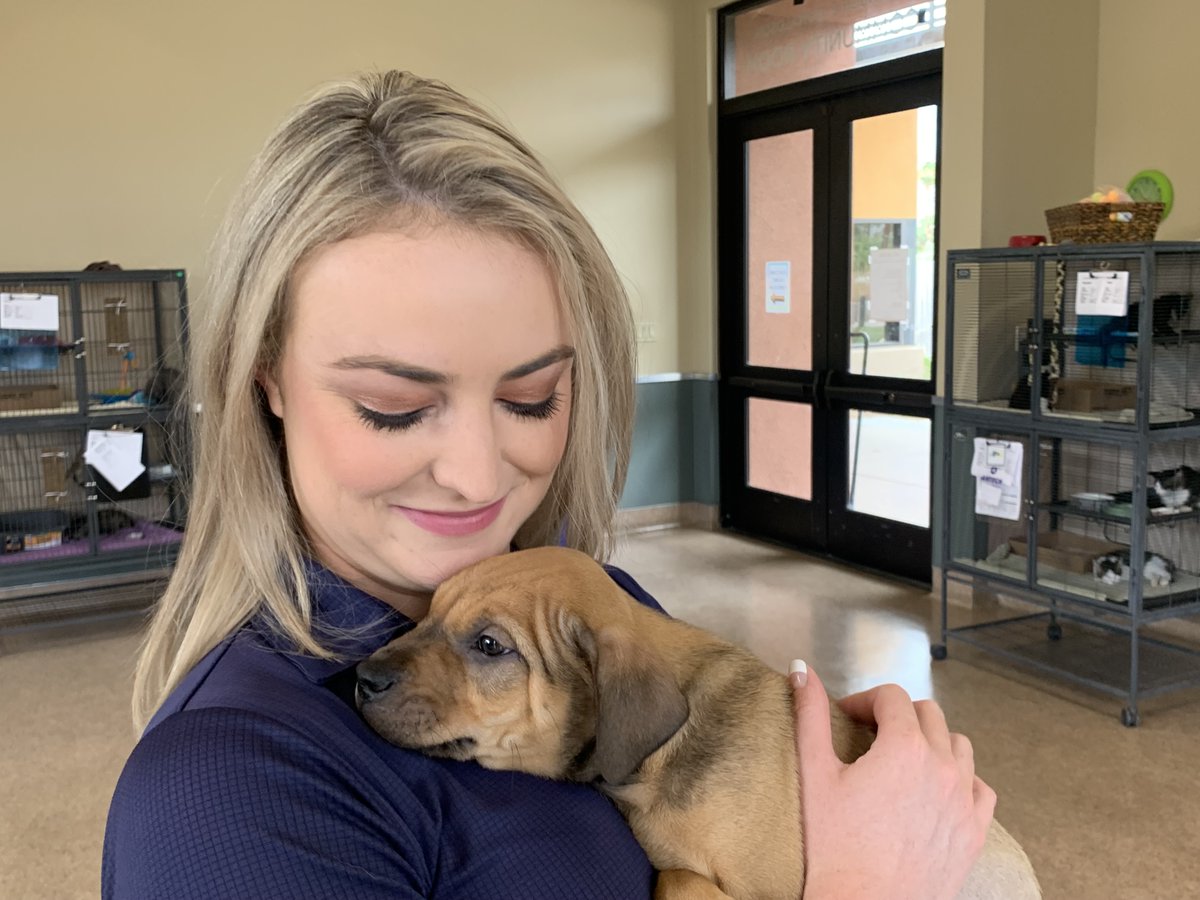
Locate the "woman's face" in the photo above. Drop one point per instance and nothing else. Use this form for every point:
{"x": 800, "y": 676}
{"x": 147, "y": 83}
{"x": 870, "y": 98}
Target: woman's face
{"x": 425, "y": 391}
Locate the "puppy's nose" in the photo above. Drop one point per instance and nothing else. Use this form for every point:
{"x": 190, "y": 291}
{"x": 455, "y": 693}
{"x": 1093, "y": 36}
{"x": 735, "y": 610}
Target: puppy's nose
{"x": 372, "y": 681}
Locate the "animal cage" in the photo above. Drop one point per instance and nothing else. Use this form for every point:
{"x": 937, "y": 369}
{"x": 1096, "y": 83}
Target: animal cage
{"x": 1035, "y": 331}
{"x": 85, "y": 354}
{"x": 1072, "y": 453}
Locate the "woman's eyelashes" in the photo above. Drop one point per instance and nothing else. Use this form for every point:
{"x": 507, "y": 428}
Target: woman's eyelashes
{"x": 543, "y": 409}
{"x": 381, "y": 421}
{"x": 389, "y": 421}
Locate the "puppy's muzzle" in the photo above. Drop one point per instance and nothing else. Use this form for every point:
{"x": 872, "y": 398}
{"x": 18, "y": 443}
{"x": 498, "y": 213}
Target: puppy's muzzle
{"x": 373, "y": 681}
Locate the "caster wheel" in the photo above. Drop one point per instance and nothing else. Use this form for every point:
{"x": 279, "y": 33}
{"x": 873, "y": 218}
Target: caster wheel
{"x": 1130, "y": 718}
{"x": 938, "y": 651}
{"x": 1054, "y": 631}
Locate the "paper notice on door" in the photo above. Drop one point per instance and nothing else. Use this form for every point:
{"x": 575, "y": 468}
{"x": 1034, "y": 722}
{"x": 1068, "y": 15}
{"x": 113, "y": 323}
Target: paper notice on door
{"x": 889, "y": 285}
{"x": 1102, "y": 294}
{"x": 117, "y": 455}
{"x": 779, "y": 287}
{"x": 996, "y": 466}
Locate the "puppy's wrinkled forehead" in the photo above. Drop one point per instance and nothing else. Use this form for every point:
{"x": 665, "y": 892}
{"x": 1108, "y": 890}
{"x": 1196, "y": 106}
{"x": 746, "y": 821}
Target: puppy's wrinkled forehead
{"x": 514, "y": 580}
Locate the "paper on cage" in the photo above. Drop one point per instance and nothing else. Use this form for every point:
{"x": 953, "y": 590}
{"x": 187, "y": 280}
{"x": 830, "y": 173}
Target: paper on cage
{"x": 998, "y": 460}
{"x": 1102, "y": 294}
{"x": 996, "y": 466}
{"x": 117, "y": 455}
{"x": 29, "y": 312}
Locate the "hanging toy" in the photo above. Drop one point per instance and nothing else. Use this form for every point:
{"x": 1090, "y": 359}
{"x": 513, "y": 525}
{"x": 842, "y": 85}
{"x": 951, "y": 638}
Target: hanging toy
{"x": 128, "y": 362}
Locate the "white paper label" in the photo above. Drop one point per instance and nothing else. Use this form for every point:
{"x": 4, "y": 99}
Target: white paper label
{"x": 996, "y": 466}
{"x": 29, "y": 312}
{"x": 1102, "y": 294}
{"x": 779, "y": 287}
{"x": 889, "y": 285}
{"x": 117, "y": 455}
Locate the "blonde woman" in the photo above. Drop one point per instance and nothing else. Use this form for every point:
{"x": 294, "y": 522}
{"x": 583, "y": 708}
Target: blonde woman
{"x": 414, "y": 354}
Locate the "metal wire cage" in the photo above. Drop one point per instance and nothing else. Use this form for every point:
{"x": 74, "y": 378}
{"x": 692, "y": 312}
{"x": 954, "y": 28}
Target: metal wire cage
{"x": 1072, "y": 454}
{"x": 83, "y": 353}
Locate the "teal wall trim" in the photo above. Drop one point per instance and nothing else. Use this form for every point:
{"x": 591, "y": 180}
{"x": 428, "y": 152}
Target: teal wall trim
{"x": 674, "y": 442}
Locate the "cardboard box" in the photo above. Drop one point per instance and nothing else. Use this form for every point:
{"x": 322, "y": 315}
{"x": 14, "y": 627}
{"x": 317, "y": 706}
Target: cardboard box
{"x": 1065, "y": 551}
{"x": 14, "y": 397}
{"x": 1089, "y": 395}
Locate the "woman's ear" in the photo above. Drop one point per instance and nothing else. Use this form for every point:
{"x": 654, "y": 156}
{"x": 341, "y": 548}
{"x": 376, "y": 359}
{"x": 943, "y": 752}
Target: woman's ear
{"x": 270, "y": 387}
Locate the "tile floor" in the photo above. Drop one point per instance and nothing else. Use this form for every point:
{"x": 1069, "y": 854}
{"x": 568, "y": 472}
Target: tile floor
{"x": 1104, "y": 811}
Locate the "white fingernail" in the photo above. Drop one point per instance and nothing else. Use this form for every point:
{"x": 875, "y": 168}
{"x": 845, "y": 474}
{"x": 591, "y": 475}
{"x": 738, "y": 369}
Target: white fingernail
{"x": 798, "y": 671}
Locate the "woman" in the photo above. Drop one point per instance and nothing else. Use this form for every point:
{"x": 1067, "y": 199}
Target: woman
{"x": 415, "y": 354}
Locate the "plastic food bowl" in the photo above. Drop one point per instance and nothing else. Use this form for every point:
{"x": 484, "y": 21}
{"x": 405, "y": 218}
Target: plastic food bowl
{"x": 1092, "y": 502}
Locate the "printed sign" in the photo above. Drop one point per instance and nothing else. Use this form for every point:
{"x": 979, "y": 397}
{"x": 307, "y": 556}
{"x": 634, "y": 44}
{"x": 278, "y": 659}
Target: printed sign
{"x": 779, "y": 287}
{"x": 1102, "y": 294}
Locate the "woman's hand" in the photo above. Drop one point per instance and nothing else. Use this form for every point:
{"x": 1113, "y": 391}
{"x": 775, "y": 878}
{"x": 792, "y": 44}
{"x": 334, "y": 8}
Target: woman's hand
{"x": 906, "y": 820}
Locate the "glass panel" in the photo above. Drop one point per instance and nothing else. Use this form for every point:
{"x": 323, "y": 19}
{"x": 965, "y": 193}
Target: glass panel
{"x": 779, "y": 223}
{"x": 889, "y": 466}
{"x": 892, "y": 262}
{"x": 780, "y": 447}
{"x": 783, "y": 42}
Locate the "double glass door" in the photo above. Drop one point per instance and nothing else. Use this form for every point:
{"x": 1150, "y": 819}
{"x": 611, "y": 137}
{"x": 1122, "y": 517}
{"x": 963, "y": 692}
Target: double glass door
{"x": 828, "y": 246}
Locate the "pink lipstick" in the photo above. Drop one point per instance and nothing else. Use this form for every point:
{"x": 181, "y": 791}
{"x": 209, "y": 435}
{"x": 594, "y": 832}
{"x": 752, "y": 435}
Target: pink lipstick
{"x": 453, "y": 524}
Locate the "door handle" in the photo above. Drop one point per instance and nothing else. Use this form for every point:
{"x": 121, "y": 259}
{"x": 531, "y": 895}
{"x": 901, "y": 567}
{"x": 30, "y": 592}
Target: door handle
{"x": 821, "y": 388}
{"x": 876, "y": 397}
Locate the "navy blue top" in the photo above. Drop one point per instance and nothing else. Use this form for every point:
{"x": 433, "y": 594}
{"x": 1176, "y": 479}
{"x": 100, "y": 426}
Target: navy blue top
{"x": 257, "y": 778}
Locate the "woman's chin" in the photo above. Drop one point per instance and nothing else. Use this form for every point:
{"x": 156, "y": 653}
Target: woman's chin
{"x": 435, "y": 567}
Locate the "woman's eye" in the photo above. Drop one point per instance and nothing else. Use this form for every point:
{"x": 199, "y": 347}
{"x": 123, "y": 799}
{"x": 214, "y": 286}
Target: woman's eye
{"x": 389, "y": 421}
{"x": 489, "y": 646}
{"x": 543, "y": 409}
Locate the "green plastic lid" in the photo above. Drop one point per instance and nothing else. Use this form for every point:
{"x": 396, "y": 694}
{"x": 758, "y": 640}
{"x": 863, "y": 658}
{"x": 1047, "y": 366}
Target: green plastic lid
{"x": 1152, "y": 186}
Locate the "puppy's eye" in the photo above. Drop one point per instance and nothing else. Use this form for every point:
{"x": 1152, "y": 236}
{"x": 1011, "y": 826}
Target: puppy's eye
{"x": 489, "y": 646}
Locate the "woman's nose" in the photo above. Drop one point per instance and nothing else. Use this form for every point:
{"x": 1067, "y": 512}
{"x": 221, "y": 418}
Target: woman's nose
{"x": 468, "y": 459}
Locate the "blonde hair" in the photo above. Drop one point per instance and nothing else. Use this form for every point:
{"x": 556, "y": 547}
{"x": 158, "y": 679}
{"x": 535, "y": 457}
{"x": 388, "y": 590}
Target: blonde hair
{"x": 382, "y": 150}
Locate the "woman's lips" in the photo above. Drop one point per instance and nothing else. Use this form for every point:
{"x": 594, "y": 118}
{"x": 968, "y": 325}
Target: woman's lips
{"x": 453, "y": 524}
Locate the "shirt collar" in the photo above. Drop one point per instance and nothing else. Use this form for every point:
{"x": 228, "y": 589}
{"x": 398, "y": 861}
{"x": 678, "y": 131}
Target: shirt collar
{"x": 346, "y": 620}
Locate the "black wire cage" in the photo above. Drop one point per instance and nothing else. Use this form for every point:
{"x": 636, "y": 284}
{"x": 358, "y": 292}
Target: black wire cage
{"x": 1072, "y": 457}
{"x": 86, "y": 356}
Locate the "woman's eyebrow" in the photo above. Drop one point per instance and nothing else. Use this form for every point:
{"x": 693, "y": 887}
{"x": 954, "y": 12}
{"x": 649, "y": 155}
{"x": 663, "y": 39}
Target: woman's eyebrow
{"x": 546, "y": 359}
{"x": 399, "y": 369}
{"x": 392, "y": 367}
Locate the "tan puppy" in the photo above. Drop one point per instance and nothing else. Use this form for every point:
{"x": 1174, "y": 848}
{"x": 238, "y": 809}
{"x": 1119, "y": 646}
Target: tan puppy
{"x": 538, "y": 661}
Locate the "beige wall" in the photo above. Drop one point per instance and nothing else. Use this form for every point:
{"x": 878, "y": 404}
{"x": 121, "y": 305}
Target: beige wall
{"x": 1019, "y": 104}
{"x": 1039, "y": 102}
{"x": 1147, "y": 114}
{"x": 695, "y": 154}
{"x": 129, "y": 123}
{"x": 129, "y": 126}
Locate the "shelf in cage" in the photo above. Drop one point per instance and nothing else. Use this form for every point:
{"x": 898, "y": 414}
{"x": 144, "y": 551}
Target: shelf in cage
{"x": 1085, "y": 653}
{"x": 1102, "y": 338}
{"x": 67, "y": 408}
{"x": 1184, "y": 589}
{"x": 1162, "y": 415}
{"x": 1118, "y": 512}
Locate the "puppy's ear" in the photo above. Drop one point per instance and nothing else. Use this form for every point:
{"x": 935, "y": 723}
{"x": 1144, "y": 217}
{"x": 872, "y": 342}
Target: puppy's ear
{"x": 639, "y": 705}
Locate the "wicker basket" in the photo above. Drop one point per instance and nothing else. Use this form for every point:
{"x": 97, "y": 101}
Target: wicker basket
{"x": 1092, "y": 223}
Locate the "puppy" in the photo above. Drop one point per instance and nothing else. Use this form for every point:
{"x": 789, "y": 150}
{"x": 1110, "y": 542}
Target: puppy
{"x": 538, "y": 661}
